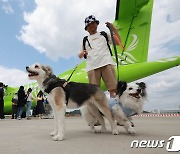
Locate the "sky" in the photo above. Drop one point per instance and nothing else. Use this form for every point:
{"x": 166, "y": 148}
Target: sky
{"x": 50, "y": 32}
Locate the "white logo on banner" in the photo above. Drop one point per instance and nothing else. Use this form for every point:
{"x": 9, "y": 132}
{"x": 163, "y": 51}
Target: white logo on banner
{"x": 134, "y": 43}
{"x": 173, "y": 144}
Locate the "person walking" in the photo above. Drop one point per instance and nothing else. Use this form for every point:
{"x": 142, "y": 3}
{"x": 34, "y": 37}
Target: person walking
{"x": 14, "y": 106}
{"x": 21, "y": 101}
{"x": 96, "y": 50}
{"x": 30, "y": 98}
{"x": 2, "y": 101}
{"x": 40, "y": 104}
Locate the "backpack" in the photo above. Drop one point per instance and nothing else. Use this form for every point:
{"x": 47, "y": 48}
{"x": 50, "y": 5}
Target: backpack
{"x": 103, "y": 33}
{"x": 26, "y": 97}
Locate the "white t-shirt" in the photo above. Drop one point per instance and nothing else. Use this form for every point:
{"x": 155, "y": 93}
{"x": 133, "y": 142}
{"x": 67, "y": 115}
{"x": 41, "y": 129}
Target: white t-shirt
{"x": 99, "y": 55}
{"x": 30, "y": 97}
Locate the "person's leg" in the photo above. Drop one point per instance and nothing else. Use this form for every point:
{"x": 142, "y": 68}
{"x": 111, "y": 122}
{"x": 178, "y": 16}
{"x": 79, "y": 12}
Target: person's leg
{"x": 20, "y": 111}
{"x": 112, "y": 93}
{"x": 28, "y": 105}
{"x": 15, "y": 111}
{"x": 1, "y": 109}
{"x": 94, "y": 77}
{"x": 3, "y": 117}
{"x": 109, "y": 78}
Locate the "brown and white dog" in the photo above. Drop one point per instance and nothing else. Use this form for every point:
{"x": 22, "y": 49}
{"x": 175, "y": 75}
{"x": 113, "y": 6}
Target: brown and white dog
{"x": 82, "y": 94}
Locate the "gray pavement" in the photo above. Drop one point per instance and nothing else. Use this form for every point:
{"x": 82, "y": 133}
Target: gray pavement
{"x": 32, "y": 136}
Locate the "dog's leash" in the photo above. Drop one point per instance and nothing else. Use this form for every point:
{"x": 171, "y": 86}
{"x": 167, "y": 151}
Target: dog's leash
{"x": 65, "y": 83}
{"x": 114, "y": 46}
{"x": 72, "y": 73}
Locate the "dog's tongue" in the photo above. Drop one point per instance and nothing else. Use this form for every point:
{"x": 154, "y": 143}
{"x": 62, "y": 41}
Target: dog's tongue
{"x": 136, "y": 95}
{"x": 32, "y": 74}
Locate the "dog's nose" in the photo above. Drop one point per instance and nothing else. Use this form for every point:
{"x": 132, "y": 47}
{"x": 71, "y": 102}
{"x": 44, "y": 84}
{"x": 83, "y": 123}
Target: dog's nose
{"x": 27, "y": 67}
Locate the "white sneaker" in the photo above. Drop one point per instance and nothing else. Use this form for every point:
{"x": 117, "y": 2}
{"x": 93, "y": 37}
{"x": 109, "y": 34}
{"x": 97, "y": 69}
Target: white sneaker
{"x": 19, "y": 118}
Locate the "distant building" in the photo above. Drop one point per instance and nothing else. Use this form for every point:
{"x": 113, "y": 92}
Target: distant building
{"x": 177, "y": 110}
{"x": 73, "y": 112}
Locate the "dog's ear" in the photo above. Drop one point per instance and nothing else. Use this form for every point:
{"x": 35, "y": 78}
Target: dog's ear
{"x": 48, "y": 70}
{"x": 121, "y": 87}
{"x": 142, "y": 85}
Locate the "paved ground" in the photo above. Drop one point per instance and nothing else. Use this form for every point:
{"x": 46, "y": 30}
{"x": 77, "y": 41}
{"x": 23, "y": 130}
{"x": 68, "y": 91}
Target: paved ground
{"x": 32, "y": 137}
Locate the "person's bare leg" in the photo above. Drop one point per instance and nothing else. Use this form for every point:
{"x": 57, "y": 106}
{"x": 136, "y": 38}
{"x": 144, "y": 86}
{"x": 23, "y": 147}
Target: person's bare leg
{"x": 112, "y": 93}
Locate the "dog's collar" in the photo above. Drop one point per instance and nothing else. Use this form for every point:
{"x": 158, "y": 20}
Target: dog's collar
{"x": 53, "y": 82}
{"x": 127, "y": 111}
{"x": 49, "y": 80}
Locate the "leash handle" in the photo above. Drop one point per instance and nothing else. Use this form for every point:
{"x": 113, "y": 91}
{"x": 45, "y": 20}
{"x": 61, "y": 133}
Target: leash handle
{"x": 85, "y": 54}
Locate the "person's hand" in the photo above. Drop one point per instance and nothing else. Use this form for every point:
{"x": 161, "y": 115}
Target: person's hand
{"x": 81, "y": 55}
{"x": 85, "y": 52}
{"x": 108, "y": 24}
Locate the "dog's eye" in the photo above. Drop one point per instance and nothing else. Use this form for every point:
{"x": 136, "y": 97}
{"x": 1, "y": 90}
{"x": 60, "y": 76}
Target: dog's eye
{"x": 36, "y": 66}
{"x": 130, "y": 88}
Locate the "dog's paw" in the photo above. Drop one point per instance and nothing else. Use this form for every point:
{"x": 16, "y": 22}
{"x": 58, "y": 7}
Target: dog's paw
{"x": 95, "y": 131}
{"x": 131, "y": 131}
{"x": 115, "y": 132}
{"x": 100, "y": 131}
{"x": 58, "y": 138}
{"x": 53, "y": 133}
{"x": 103, "y": 130}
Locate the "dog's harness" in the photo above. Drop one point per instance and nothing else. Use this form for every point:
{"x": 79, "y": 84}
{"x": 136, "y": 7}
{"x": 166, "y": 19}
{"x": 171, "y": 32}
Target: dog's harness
{"x": 54, "y": 82}
{"x": 127, "y": 111}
